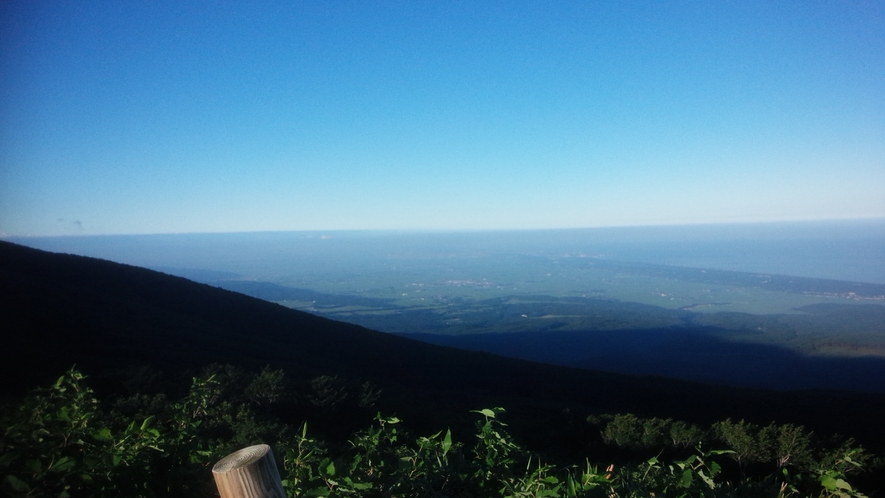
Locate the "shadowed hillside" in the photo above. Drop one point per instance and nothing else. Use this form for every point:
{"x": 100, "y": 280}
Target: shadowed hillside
{"x": 61, "y": 310}
{"x": 700, "y": 353}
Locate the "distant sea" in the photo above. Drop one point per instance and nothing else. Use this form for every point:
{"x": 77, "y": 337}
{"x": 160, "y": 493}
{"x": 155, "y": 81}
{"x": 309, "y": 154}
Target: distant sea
{"x": 843, "y": 250}
{"x": 839, "y": 250}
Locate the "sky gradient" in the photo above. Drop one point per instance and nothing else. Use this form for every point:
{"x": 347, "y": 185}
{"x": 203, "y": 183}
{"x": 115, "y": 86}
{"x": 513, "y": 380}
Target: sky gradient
{"x": 169, "y": 117}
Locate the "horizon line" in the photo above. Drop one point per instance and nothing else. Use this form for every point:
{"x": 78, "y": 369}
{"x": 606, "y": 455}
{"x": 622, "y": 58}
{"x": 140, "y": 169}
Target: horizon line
{"x": 5, "y": 236}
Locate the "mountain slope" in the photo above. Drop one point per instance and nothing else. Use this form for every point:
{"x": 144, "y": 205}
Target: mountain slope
{"x": 61, "y": 309}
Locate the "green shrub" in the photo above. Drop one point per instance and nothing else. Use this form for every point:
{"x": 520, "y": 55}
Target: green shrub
{"x": 60, "y": 442}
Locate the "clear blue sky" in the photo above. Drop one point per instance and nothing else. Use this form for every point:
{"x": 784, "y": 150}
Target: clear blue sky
{"x": 216, "y": 116}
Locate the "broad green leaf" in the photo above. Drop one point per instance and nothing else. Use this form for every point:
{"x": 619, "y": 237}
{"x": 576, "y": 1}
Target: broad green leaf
{"x": 707, "y": 479}
{"x": 486, "y": 412}
{"x": 447, "y": 442}
{"x": 320, "y": 491}
{"x": 685, "y": 481}
{"x": 102, "y": 434}
{"x": 828, "y": 482}
{"x": 357, "y": 485}
{"x": 842, "y": 484}
{"x": 147, "y": 422}
{"x": 64, "y": 463}
{"x": 721, "y": 452}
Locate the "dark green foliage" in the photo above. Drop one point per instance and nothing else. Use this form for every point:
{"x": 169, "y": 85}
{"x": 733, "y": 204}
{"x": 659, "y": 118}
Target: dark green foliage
{"x": 629, "y": 431}
{"x": 743, "y": 439}
{"x": 62, "y": 442}
{"x": 326, "y": 392}
{"x": 684, "y": 435}
{"x": 775, "y": 460}
{"x": 268, "y": 387}
{"x": 385, "y": 461}
{"x": 787, "y": 444}
{"x": 56, "y": 444}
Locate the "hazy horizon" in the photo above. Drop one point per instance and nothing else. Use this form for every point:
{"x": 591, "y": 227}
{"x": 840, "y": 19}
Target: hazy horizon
{"x": 418, "y": 230}
{"x": 850, "y": 250}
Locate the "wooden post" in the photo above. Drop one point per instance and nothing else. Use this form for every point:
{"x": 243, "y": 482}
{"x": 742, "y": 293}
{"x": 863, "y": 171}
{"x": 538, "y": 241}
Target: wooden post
{"x": 249, "y": 473}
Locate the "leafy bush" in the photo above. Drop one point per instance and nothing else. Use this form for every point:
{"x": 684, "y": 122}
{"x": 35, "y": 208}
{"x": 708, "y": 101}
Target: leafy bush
{"x": 60, "y": 442}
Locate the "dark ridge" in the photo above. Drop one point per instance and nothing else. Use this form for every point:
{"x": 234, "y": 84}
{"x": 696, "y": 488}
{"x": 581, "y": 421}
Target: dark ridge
{"x": 60, "y": 310}
{"x": 274, "y": 292}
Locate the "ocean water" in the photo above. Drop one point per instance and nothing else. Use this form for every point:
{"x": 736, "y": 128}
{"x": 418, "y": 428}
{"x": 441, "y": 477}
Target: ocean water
{"x": 851, "y": 251}
{"x": 839, "y": 250}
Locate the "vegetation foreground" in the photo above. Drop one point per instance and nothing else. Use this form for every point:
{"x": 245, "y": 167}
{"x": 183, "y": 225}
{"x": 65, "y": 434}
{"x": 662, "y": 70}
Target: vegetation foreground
{"x": 63, "y": 441}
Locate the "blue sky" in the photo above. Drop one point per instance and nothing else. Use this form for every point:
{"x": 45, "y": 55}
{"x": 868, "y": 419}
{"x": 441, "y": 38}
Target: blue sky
{"x": 167, "y": 117}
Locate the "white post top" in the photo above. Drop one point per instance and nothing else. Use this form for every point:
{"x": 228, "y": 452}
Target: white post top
{"x": 240, "y": 458}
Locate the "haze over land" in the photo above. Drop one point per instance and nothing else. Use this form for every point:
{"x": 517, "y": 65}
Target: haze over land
{"x": 787, "y": 305}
